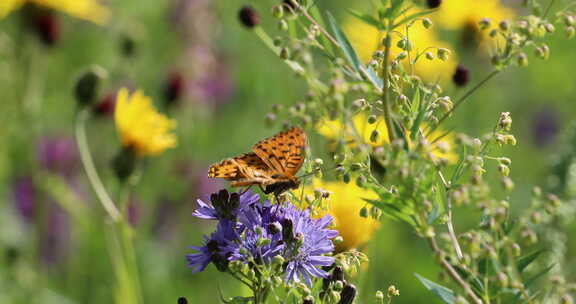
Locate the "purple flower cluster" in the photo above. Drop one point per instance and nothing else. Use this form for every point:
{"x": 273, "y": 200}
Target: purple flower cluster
{"x": 253, "y": 232}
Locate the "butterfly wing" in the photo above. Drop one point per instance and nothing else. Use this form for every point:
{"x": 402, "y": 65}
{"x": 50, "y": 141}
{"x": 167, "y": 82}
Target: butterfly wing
{"x": 247, "y": 165}
{"x": 283, "y": 152}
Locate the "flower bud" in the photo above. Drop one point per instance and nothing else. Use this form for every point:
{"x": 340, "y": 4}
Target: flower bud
{"x": 283, "y": 25}
{"x": 401, "y": 56}
{"x": 372, "y": 119}
{"x": 248, "y": 17}
{"x": 278, "y": 11}
{"x": 361, "y": 181}
{"x": 566, "y": 299}
{"x": 284, "y": 53}
{"x": 569, "y": 20}
{"x": 484, "y": 23}
{"x": 461, "y": 76}
{"x": 308, "y": 300}
{"x": 549, "y": 28}
{"x": 570, "y": 32}
{"x": 46, "y": 24}
{"x": 86, "y": 87}
{"x": 427, "y": 23}
{"x": 507, "y": 183}
{"x": 504, "y": 25}
{"x": 182, "y": 300}
{"x": 443, "y": 54}
{"x": 379, "y": 296}
{"x": 433, "y": 3}
{"x": 374, "y": 136}
{"x": 174, "y": 88}
{"x": 364, "y": 212}
{"x": 504, "y": 170}
{"x": 348, "y": 294}
{"x": 522, "y": 59}
{"x": 124, "y": 164}
{"x": 429, "y": 55}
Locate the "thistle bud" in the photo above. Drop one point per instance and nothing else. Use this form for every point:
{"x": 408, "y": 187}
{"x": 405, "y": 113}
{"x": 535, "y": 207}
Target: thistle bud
{"x": 484, "y": 23}
{"x": 248, "y": 17}
{"x": 504, "y": 25}
{"x": 443, "y": 54}
{"x": 427, "y": 23}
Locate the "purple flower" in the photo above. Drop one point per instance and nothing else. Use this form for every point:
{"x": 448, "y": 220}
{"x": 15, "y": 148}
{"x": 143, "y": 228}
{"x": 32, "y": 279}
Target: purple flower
{"x": 545, "y": 126}
{"x": 311, "y": 240}
{"x": 24, "y": 194}
{"x": 254, "y": 233}
{"x": 224, "y": 205}
{"x": 58, "y": 155}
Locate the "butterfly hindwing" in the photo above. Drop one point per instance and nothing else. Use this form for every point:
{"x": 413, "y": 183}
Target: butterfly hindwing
{"x": 243, "y": 166}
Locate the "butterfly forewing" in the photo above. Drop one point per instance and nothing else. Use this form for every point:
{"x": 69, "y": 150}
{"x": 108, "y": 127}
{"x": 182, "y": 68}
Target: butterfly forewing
{"x": 283, "y": 152}
{"x": 246, "y": 165}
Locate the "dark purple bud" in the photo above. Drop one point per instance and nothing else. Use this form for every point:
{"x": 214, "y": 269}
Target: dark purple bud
{"x": 337, "y": 274}
{"x": 461, "y": 76}
{"x": 433, "y": 3}
{"x": 348, "y": 294}
{"x": 106, "y": 105}
{"x": 124, "y": 164}
{"x": 182, "y": 300}
{"x": 174, "y": 88}
{"x": 287, "y": 230}
{"x": 274, "y": 227}
{"x": 248, "y": 17}
{"x": 545, "y": 126}
{"x": 47, "y": 26}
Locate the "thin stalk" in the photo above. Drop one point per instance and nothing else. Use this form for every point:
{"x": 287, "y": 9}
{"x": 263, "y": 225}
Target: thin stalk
{"x": 126, "y": 238}
{"x": 90, "y": 169}
{"x": 313, "y": 21}
{"x": 450, "y": 222}
{"x": 453, "y": 273}
{"x": 462, "y": 99}
{"x": 385, "y": 95}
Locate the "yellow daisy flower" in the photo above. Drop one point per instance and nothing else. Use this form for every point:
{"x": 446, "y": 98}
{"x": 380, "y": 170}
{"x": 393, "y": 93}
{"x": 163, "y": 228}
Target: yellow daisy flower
{"x": 344, "y": 205}
{"x": 140, "y": 126}
{"x": 91, "y": 10}
{"x": 441, "y": 148}
{"x": 366, "y": 39}
{"x": 466, "y": 14}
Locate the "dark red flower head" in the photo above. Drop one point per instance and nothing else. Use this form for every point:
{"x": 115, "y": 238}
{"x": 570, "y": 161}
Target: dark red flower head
{"x": 248, "y": 17}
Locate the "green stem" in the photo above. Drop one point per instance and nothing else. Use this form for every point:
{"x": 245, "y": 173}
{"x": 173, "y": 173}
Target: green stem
{"x": 385, "y": 95}
{"x": 90, "y": 169}
{"x": 462, "y": 99}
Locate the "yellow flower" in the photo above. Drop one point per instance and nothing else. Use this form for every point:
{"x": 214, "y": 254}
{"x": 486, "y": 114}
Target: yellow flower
{"x": 344, "y": 205}
{"x": 140, "y": 126}
{"x": 366, "y": 39}
{"x": 441, "y": 148}
{"x": 466, "y": 14}
{"x": 91, "y": 10}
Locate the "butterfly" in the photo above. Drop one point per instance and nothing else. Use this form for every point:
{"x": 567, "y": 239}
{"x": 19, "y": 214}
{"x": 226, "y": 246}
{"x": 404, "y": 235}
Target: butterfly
{"x": 272, "y": 164}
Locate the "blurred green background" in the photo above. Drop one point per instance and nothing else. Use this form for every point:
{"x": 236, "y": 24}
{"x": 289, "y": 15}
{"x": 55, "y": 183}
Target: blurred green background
{"x": 230, "y": 81}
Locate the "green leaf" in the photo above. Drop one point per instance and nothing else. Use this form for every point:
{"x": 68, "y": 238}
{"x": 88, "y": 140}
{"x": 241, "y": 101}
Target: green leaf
{"x": 368, "y": 19}
{"x": 315, "y": 12}
{"x": 344, "y": 44}
{"x": 412, "y": 17}
{"x": 527, "y": 259}
{"x": 433, "y": 216}
{"x": 534, "y": 278}
{"x": 444, "y": 293}
{"x": 373, "y": 76}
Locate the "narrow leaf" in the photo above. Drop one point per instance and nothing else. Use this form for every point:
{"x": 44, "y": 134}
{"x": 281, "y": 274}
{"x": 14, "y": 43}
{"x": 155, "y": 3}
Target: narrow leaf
{"x": 367, "y": 19}
{"x": 344, "y": 44}
{"x": 527, "y": 259}
{"x": 444, "y": 293}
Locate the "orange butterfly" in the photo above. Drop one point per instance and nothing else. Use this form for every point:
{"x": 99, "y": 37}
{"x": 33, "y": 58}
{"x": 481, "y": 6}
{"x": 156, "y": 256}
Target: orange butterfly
{"x": 272, "y": 163}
